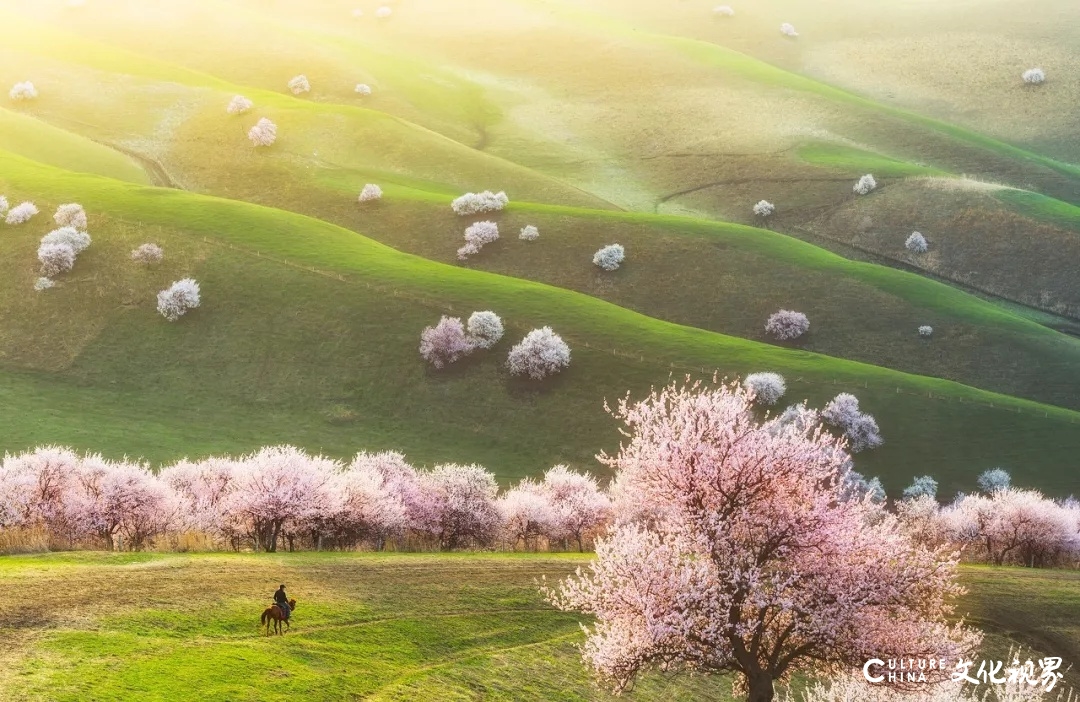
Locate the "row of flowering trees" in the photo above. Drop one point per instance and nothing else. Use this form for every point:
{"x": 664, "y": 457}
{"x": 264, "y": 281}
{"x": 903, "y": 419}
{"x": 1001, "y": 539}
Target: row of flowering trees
{"x": 282, "y": 496}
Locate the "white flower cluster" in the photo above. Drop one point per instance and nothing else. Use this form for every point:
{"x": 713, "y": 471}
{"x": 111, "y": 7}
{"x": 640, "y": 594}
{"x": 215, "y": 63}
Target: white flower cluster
{"x": 363, "y": 89}
{"x": 860, "y": 428}
{"x": 264, "y": 133}
{"x": 174, "y": 302}
{"x": 541, "y": 353}
{"x": 764, "y": 209}
{"x": 916, "y": 243}
{"x": 610, "y": 257}
{"x": 475, "y": 203}
{"x": 239, "y": 105}
{"x": 529, "y": 233}
{"x": 865, "y": 185}
{"x": 21, "y": 213}
{"x": 60, "y": 247}
{"x": 23, "y": 91}
{"x": 148, "y": 254}
{"x": 926, "y": 331}
{"x": 299, "y": 84}
{"x": 485, "y": 329}
{"x": 768, "y": 388}
{"x": 370, "y": 192}
{"x": 787, "y": 324}
{"x": 476, "y": 236}
{"x": 70, "y": 215}
{"x": 1034, "y": 76}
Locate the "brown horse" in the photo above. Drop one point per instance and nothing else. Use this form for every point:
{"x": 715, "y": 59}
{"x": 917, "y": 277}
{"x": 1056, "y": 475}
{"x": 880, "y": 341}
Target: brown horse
{"x": 273, "y": 614}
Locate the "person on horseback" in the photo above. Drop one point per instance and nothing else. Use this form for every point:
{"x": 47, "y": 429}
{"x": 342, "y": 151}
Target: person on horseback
{"x": 282, "y": 601}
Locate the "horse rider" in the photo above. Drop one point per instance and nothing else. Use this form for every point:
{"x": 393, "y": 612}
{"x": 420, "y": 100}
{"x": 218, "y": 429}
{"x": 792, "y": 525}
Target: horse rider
{"x": 282, "y": 601}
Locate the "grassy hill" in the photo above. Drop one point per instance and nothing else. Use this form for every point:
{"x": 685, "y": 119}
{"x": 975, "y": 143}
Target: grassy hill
{"x": 327, "y": 358}
{"x": 377, "y": 626}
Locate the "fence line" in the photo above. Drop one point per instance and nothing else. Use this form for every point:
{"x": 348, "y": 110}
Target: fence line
{"x": 636, "y": 356}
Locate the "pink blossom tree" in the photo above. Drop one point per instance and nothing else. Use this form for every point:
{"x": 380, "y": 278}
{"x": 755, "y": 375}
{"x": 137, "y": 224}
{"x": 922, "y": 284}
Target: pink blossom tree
{"x": 445, "y": 342}
{"x": 202, "y": 491}
{"x": 34, "y": 487}
{"x": 526, "y": 514}
{"x": 460, "y": 503}
{"x": 753, "y": 564}
{"x": 1012, "y": 525}
{"x": 578, "y": 506}
{"x": 374, "y": 493}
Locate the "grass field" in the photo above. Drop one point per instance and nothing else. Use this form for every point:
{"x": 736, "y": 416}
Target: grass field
{"x": 370, "y": 626}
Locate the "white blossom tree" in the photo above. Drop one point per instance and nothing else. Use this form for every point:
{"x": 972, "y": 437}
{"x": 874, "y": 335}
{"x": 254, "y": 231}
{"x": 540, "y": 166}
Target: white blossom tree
{"x": 69, "y": 236}
{"x": 21, "y": 213}
{"x": 787, "y": 324}
{"x": 445, "y": 342}
{"x": 477, "y": 203}
{"x": 926, "y": 331}
{"x": 370, "y": 192}
{"x": 363, "y": 89}
{"x": 916, "y": 243}
{"x": 239, "y": 105}
{"x": 148, "y": 254}
{"x": 55, "y": 259}
{"x": 860, "y": 428}
{"x": 485, "y": 329}
{"x": 994, "y": 479}
{"x": 788, "y": 30}
{"x": 1034, "y": 76}
{"x": 578, "y": 507}
{"x": 764, "y": 208}
{"x": 865, "y": 185}
{"x": 540, "y": 354}
{"x": 529, "y": 233}
{"x": 299, "y": 84}
{"x": 21, "y": 92}
{"x": 462, "y": 503}
{"x": 609, "y": 257}
{"x": 477, "y": 235}
{"x": 44, "y": 284}
{"x": 264, "y": 133}
{"x": 766, "y": 388}
{"x": 72, "y": 215}
{"x": 723, "y": 11}
{"x": 175, "y": 301}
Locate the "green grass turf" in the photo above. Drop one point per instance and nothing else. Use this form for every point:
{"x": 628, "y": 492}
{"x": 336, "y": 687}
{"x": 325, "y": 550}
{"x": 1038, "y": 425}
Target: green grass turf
{"x": 285, "y": 362}
{"x": 376, "y": 626}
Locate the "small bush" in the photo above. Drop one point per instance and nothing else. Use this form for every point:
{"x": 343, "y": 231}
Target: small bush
{"x": 764, "y": 209}
{"x": 540, "y": 354}
{"x": 148, "y": 254}
{"x": 924, "y": 486}
{"x": 69, "y": 236}
{"x": 445, "y": 342}
{"x": 1034, "y": 76}
{"x": 43, "y": 284}
{"x": 476, "y": 203}
{"x": 485, "y": 329}
{"x": 787, "y": 324}
{"x": 21, "y": 213}
{"x": 239, "y": 105}
{"x": 926, "y": 331}
{"x": 56, "y": 259}
{"x": 865, "y": 185}
{"x": 363, "y": 89}
{"x": 767, "y": 388}
{"x": 610, "y": 257}
{"x": 529, "y": 233}
{"x": 175, "y": 301}
{"x": 788, "y": 30}
{"x": 476, "y": 236}
{"x": 723, "y": 11}
{"x": 299, "y": 84}
{"x": 21, "y": 92}
{"x": 916, "y": 243}
{"x": 370, "y": 192}
{"x": 264, "y": 133}
{"x": 70, "y": 215}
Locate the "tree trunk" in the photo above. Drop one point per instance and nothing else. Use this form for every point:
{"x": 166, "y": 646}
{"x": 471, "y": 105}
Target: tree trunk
{"x": 760, "y": 686}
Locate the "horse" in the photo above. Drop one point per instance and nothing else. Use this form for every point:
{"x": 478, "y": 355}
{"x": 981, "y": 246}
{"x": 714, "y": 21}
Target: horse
{"x": 274, "y": 614}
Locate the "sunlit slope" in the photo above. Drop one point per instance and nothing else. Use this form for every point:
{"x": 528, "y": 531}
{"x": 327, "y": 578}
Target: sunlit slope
{"x": 23, "y": 135}
{"x": 281, "y": 353}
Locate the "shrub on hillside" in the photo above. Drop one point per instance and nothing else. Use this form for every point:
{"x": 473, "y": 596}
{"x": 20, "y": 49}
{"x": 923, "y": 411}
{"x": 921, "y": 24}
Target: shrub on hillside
{"x": 363, "y": 89}
{"x": 788, "y": 30}
{"x": 723, "y": 11}
{"x": 926, "y": 331}
{"x": 445, "y": 342}
{"x": 299, "y": 84}
{"x": 148, "y": 254}
{"x": 916, "y": 243}
{"x": 21, "y": 213}
{"x": 787, "y": 324}
{"x": 69, "y": 236}
{"x": 865, "y": 185}
{"x": 540, "y": 354}
{"x": 764, "y": 208}
{"x": 1034, "y": 76}
{"x": 860, "y": 428}
{"x": 239, "y": 105}
{"x": 55, "y": 259}
{"x": 476, "y": 203}
{"x": 175, "y": 301}
{"x": 43, "y": 284}
{"x": 264, "y": 133}
{"x": 994, "y": 479}
{"x": 922, "y": 486}
{"x": 529, "y": 233}
{"x": 71, "y": 214}
{"x": 610, "y": 257}
{"x": 370, "y": 192}
{"x": 476, "y": 236}
{"x": 21, "y": 92}
{"x": 485, "y": 329}
{"x": 766, "y": 388}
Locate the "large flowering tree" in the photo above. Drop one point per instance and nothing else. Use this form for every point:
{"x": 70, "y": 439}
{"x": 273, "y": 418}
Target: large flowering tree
{"x": 752, "y": 560}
